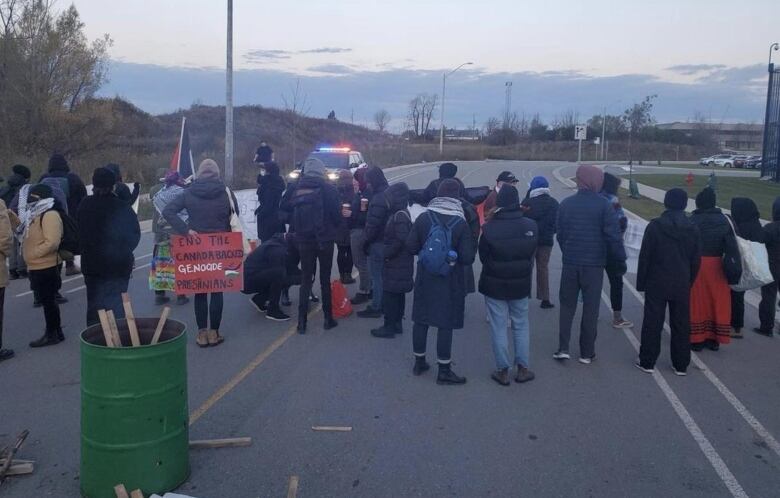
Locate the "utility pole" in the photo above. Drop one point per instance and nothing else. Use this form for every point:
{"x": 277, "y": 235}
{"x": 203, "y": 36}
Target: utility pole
{"x": 229, "y": 98}
{"x": 507, "y": 104}
{"x": 603, "y": 131}
{"x": 443, "y": 88}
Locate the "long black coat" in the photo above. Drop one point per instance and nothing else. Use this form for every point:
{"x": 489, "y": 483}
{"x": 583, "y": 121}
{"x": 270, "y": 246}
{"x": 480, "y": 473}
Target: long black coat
{"x": 670, "y": 256}
{"x": 543, "y": 209}
{"x": 506, "y": 249}
{"x": 441, "y": 301}
{"x": 270, "y": 188}
{"x": 398, "y": 271}
{"x": 378, "y": 206}
{"x": 108, "y": 234}
{"x": 718, "y": 240}
{"x": 772, "y": 239}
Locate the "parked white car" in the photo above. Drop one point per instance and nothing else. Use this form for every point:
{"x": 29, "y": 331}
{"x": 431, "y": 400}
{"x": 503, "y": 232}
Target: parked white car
{"x": 723, "y": 160}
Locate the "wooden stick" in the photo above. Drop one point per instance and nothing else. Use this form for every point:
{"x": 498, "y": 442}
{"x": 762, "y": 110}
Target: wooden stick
{"x": 10, "y": 455}
{"x": 292, "y": 489}
{"x": 130, "y": 317}
{"x": 106, "y": 326}
{"x": 114, "y": 329}
{"x": 16, "y": 461}
{"x": 136, "y": 493}
{"x": 121, "y": 491}
{"x": 221, "y": 443}
{"x": 160, "y": 325}
{"x": 330, "y": 428}
{"x": 20, "y": 469}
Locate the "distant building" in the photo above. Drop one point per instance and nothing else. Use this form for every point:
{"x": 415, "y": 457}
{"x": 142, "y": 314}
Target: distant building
{"x": 470, "y": 135}
{"x": 737, "y": 137}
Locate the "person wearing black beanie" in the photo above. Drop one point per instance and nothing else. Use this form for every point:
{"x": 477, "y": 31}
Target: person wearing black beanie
{"x": 506, "y": 249}
{"x": 121, "y": 189}
{"x": 668, "y": 266}
{"x": 108, "y": 234}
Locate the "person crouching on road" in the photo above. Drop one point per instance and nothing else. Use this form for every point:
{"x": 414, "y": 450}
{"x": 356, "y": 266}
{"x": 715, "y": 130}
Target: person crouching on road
{"x": 108, "y": 235}
{"x": 541, "y": 207}
{"x": 588, "y": 234}
{"x": 265, "y": 276}
{"x": 209, "y": 207}
{"x": 506, "y": 250}
{"x": 6, "y": 246}
{"x": 668, "y": 264}
{"x": 398, "y": 271}
{"x": 41, "y": 240}
{"x": 440, "y": 300}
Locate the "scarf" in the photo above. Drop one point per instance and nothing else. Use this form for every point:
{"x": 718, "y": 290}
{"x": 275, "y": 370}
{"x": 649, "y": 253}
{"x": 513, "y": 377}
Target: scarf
{"x": 447, "y": 206}
{"x": 165, "y": 196}
{"x": 539, "y": 191}
{"x": 32, "y": 212}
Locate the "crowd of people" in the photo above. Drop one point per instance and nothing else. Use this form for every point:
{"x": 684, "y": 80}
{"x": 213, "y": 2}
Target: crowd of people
{"x": 686, "y": 263}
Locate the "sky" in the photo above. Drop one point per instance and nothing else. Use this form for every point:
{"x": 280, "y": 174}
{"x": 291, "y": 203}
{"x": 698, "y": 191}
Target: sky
{"x": 705, "y": 56}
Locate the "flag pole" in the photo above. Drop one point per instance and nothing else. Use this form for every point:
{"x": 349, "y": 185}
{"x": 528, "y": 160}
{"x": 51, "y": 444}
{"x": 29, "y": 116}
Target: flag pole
{"x": 229, "y": 98}
{"x": 181, "y": 141}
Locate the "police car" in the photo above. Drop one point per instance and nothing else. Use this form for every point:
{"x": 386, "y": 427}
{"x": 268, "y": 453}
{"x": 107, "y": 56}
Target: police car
{"x": 335, "y": 159}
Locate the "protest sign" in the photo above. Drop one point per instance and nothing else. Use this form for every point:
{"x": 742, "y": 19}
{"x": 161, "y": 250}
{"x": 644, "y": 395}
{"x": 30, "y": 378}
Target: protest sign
{"x": 208, "y": 262}
{"x": 247, "y": 204}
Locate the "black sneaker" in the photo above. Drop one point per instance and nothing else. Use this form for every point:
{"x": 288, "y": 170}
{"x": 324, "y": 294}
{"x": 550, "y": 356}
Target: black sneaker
{"x": 420, "y": 366}
{"x": 360, "y": 298}
{"x": 180, "y": 300}
{"x": 447, "y": 377}
{"x": 60, "y": 299}
{"x": 347, "y": 279}
{"x": 46, "y": 340}
{"x": 6, "y": 354}
{"x": 12, "y": 275}
{"x": 383, "y": 333}
{"x": 765, "y": 333}
{"x": 330, "y": 323}
{"x": 369, "y": 313}
{"x": 314, "y": 298}
{"x": 277, "y": 315}
{"x": 161, "y": 299}
{"x": 546, "y": 305}
{"x": 259, "y": 303}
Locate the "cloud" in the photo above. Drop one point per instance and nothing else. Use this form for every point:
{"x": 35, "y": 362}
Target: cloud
{"x": 325, "y": 50}
{"x": 691, "y": 69}
{"x": 260, "y": 55}
{"x": 332, "y": 69}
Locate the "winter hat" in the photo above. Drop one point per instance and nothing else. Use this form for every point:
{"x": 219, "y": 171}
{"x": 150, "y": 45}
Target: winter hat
{"x": 22, "y": 170}
{"x": 448, "y": 170}
{"x": 611, "y": 183}
{"x": 172, "y": 178}
{"x": 676, "y": 199}
{"x": 360, "y": 177}
{"x": 114, "y": 168}
{"x": 706, "y": 199}
{"x": 448, "y": 188}
{"x": 508, "y": 197}
{"x": 208, "y": 169}
{"x": 590, "y": 178}
{"x": 57, "y": 162}
{"x": 539, "y": 182}
{"x": 103, "y": 178}
{"x": 40, "y": 191}
{"x": 314, "y": 167}
{"x": 506, "y": 177}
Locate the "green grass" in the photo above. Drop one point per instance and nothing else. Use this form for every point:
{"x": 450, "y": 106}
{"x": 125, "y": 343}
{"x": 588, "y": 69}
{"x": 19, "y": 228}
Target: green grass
{"x": 762, "y": 192}
{"x": 644, "y": 207}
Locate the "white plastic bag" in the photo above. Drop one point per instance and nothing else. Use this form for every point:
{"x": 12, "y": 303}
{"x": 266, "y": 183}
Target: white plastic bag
{"x": 755, "y": 264}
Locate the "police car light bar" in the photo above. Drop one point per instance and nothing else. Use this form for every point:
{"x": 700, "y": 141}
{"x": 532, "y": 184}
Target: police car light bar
{"x": 334, "y": 149}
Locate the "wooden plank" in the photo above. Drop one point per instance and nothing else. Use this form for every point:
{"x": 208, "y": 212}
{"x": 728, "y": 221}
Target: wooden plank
{"x": 16, "y": 461}
{"x": 326, "y": 428}
{"x": 114, "y": 329}
{"x": 130, "y": 317}
{"x": 20, "y": 469}
{"x": 292, "y": 488}
{"x": 235, "y": 442}
{"x": 106, "y": 326}
{"x": 136, "y": 493}
{"x": 10, "y": 454}
{"x": 121, "y": 491}
{"x": 161, "y": 325}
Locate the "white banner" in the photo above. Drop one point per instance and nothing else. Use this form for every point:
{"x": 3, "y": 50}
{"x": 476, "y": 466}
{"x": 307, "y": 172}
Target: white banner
{"x": 632, "y": 241}
{"x": 247, "y": 204}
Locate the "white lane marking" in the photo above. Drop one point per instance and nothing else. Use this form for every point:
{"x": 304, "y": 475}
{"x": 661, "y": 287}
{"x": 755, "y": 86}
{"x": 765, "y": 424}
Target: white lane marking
{"x": 76, "y": 289}
{"x": 751, "y": 420}
{"x": 693, "y": 428}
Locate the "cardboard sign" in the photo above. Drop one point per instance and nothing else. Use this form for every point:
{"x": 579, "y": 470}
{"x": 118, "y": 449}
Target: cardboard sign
{"x": 247, "y": 204}
{"x": 208, "y": 262}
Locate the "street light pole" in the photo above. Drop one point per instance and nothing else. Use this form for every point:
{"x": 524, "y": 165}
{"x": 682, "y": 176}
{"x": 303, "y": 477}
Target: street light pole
{"x": 603, "y": 130}
{"x": 443, "y": 89}
{"x": 229, "y": 98}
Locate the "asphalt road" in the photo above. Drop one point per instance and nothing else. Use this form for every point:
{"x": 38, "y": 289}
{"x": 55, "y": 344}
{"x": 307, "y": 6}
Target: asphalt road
{"x": 604, "y": 430}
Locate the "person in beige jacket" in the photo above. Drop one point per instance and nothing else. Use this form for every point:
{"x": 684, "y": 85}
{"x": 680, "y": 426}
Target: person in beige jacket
{"x": 40, "y": 244}
{"x": 6, "y": 241}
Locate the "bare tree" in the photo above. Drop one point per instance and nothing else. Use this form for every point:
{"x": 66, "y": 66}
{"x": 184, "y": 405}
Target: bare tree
{"x": 420, "y": 113}
{"x": 381, "y": 120}
{"x": 428, "y": 107}
{"x": 296, "y": 107}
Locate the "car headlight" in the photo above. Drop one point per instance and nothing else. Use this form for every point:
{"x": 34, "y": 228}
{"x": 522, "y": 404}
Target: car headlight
{"x": 333, "y": 176}
{"x": 294, "y": 174}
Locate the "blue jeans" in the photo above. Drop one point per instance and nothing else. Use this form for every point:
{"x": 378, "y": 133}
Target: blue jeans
{"x": 514, "y": 314}
{"x": 105, "y": 293}
{"x": 376, "y": 263}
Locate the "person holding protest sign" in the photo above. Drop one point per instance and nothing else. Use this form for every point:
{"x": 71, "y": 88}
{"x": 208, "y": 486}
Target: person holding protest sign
{"x": 209, "y": 210}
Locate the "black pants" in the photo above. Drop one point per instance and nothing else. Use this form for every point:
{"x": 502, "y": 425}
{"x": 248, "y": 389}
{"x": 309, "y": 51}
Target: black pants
{"x": 45, "y": 284}
{"x": 615, "y": 286}
{"x": 2, "y": 306}
{"x": 394, "y": 305}
{"x": 268, "y": 284}
{"x": 208, "y": 312}
{"x": 104, "y": 294}
{"x": 652, "y": 327}
{"x": 344, "y": 259}
{"x": 310, "y": 253}
{"x": 443, "y": 342}
{"x": 766, "y": 309}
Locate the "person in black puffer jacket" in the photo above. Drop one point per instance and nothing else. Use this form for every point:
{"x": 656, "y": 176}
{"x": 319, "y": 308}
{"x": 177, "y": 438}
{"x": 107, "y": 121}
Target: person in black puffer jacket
{"x": 357, "y": 236}
{"x": 209, "y": 207}
{"x": 506, "y": 250}
{"x": 108, "y": 234}
{"x": 747, "y": 223}
{"x": 720, "y": 266}
{"x": 20, "y": 176}
{"x": 376, "y": 219}
{"x": 541, "y": 207}
{"x": 270, "y": 187}
{"x": 398, "y": 271}
{"x": 668, "y": 265}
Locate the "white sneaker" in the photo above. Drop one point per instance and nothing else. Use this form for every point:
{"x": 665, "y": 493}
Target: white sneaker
{"x": 680, "y": 373}
{"x": 645, "y": 370}
{"x": 622, "y": 324}
{"x": 561, "y": 355}
{"x": 586, "y": 361}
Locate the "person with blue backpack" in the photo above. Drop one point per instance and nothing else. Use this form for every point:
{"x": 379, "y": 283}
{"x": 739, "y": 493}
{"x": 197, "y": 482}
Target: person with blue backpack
{"x": 444, "y": 246}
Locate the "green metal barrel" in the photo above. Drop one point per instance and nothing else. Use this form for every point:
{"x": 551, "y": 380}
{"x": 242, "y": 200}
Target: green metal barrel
{"x": 134, "y": 416}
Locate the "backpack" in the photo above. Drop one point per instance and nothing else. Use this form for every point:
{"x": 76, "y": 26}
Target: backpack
{"x": 438, "y": 243}
{"x": 70, "y": 234}
{"x": 307, "y": 214}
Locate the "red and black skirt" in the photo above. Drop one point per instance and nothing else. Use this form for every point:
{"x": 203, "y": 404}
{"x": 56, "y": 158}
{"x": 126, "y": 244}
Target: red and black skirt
{"x": 710, "y": 303}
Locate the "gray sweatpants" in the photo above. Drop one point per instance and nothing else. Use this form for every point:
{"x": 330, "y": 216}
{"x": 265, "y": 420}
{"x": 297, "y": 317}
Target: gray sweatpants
{"x": 359, "y": 258}
{"x": 589, "y": 281}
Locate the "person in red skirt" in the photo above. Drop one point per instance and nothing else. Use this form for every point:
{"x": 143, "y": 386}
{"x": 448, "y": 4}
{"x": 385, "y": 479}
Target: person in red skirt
{"x": 720, "y": 266}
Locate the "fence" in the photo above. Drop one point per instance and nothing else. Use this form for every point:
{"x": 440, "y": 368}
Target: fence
{"x": 771, "y": 149}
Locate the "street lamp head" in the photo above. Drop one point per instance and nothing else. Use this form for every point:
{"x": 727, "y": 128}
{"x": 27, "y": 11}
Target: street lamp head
{"x": 776, "y": 46}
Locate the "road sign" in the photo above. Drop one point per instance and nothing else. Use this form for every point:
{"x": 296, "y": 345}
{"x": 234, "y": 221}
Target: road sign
{"x": 580, "y": 132}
